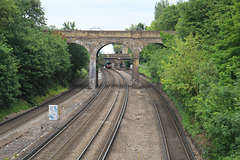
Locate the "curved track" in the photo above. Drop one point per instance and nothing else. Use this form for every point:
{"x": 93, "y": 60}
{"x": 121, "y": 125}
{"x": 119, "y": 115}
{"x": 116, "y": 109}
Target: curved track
{"x": 176, "y": 146}
{"x": 90, "y": 133}
{"x": 174, "y": 140}
{"x": 29, "y": 128}
{"x": 26, "y": 116}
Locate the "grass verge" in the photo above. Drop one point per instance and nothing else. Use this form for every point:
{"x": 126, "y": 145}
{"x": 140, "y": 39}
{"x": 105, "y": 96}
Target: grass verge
{"x": 20, "y": 105}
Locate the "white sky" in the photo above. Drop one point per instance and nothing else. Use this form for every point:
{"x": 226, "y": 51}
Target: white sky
{"x": 106, "y": 14}
{"x": 108, "y": 49}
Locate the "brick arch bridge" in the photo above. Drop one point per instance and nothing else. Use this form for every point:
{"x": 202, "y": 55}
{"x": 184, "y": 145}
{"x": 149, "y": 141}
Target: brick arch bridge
{"x": 93, "y": 41}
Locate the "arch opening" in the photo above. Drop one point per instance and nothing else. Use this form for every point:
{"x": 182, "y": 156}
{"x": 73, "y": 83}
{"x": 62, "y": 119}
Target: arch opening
{"x": 80, "y": 61}
{"x": 116, "y": 54}
{"x": 149, "y": 59}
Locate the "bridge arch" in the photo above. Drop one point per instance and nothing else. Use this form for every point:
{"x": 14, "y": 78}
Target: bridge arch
{"x": 102, "y": 45}
{"x": 118, "y": 58}
{"x": 94, "y": 40}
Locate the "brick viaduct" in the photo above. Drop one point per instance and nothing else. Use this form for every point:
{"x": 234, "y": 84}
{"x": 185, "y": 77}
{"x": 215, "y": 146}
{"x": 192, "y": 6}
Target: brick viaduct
{"x": 94, "y": 41}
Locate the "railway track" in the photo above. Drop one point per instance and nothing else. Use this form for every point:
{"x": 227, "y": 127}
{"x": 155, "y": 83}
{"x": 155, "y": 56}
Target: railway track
{"x": 26, "y": 116}
{"x": 175, "y": 143}
{"x": 91, "y": 131}
{"x": 176, "y": 146}
{"x": 89, "y": 134}
{"x": 33, "y": 126}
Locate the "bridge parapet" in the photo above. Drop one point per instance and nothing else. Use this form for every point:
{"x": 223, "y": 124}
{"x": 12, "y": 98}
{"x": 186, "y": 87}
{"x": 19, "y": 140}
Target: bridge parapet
{"x": 112, "y": 34}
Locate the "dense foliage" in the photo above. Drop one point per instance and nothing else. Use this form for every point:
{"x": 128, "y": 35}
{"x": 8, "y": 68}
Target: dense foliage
{"x": 199, "y": 67}
{"x": 8, "y": 74}
{"x": 139, "y": 27}
{"x": 32, "y": 60}
{"x": 79, "y": 59}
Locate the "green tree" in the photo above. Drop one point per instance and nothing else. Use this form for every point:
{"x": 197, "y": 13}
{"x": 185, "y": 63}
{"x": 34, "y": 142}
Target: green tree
{"x": 100, "y": 60}
{"x": 159, "y": 8}
{"x": 32, "y": 12}
{"x": 79, "y": 58}
{"x": 154, "y": 56}
{"x": 8, "y": 10}
{"x": 138, "y": 27}
{"x": 166, "y": 17}
{"x": 8, "y": 74}
{"x": 69, "y": 26}
{"x": 117, "y": 48}
{"x": 192, "y": 17}
{"x": 228, "y": 48}
{"x": 60, "y": 57}
{"x": 202, "y": 71}
{"x": 142, "y": 26}
{"x": 43, "y": 58}
{"x": 184, "y": 72}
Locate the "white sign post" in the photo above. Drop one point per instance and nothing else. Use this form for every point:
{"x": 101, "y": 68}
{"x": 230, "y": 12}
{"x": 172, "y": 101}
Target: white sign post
{"x": 54, "y": 112}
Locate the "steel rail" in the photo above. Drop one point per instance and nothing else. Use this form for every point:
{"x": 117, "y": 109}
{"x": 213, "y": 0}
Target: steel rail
{"x": 117, "y": 124}
{"x": 182, "y": 137}
{"x": 37, "y": 149}
{"x": 164, "y": 139}
{"x": 52, "y": 156}
{"x": 102, "y": 123}
{"x": 2, "y": 124}
{"x": 176, "y": 123}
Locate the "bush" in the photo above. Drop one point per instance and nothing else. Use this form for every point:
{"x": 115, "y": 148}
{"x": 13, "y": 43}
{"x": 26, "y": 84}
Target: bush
{"x": 8, "y": 74}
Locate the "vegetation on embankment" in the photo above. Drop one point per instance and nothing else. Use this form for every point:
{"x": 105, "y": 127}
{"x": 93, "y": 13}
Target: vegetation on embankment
{"x": 199, "y": 68}
{"x": 20, "y": 105}
{"x": 33, "y": 62}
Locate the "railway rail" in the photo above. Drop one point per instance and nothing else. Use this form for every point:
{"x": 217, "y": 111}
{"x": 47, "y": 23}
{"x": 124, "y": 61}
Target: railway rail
{"x": 176, "y": 146}
{"x": 26, "y": 116}
{"x": 91, "y": 131}
{"x": 33, "y": 127}
{"x": 115, "y": 126}
{"x": 83, "y": 134}
{"x": 174, "y": 140}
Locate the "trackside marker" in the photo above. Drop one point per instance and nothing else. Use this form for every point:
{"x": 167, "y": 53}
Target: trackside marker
{"x": 54, "y": 112}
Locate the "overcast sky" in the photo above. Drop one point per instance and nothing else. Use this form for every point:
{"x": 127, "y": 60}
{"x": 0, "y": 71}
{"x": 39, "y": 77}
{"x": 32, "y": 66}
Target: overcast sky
{"x": 106, "y": 14}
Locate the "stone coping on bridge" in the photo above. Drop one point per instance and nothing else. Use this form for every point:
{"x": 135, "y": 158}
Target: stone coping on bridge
{"x": 111, "y": 34}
